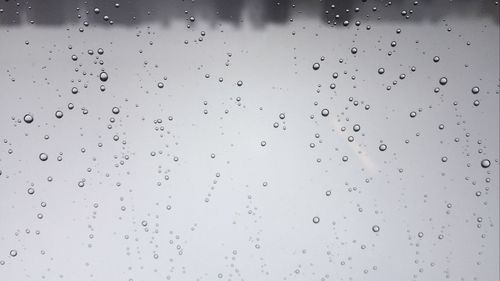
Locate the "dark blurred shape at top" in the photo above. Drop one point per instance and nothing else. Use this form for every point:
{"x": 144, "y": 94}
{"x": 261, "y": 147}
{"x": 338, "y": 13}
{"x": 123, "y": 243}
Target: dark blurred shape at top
{"x": 257, "y": 12}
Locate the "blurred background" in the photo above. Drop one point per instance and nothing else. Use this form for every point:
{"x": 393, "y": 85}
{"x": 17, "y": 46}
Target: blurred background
{"x": 249, "y": 140}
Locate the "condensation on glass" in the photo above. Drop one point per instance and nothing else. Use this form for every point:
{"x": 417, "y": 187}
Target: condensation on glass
{"x": 249, "y": 140}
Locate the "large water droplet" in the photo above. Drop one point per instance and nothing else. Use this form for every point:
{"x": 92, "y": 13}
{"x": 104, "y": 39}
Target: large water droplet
{"x": 28, "y": 118}
{"x": 103, "y": 76}
{"x": 485, "y": 163}
{"x": 43, "y": 156}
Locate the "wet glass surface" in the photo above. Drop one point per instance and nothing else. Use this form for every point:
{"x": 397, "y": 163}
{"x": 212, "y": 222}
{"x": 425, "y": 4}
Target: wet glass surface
{"x": 249, "y": 140}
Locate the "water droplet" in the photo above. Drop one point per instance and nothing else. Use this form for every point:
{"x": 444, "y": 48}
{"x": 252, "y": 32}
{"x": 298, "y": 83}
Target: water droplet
{"x": 115, "y": 110}
{"x": 325, "y": 112}
{"x": 375, "y": 228}
{"x": 475, "y": 90}
{"x": 43, "y": 156}
{"x": 13, "y": 253}
{"x": 435, "y": 59}
{"x": 382, "y": 147}
{"x": 485, "y": 163}
{"x": 316, "y": 219}
{"x": 103, "y": 76}
{"x": 316, "y": 66}
{"x": 381, "y": 70}
{"x": 443, "y": 81}
{"x": 59, "y": 114}
{"x": 28, "y": 118}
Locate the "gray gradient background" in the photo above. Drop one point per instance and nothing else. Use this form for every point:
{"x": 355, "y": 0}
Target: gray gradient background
{"x": 214, "y": 218}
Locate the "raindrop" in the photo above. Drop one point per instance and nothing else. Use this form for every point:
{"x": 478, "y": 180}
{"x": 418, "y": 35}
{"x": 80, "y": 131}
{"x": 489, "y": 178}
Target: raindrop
{"x": 28, "y": 118}
{"x": 485, "y": 163}
{"x": 103, "y": 76}
{"x": 443, "y": 81}
{"x": 43, "y": 156}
